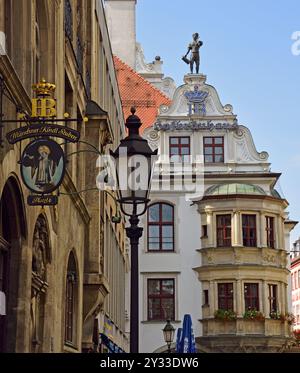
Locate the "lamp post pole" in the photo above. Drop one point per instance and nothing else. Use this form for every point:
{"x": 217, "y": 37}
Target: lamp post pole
{"x": 134, "y": 233}
{"x": 169, "y": 348}
{"x": 134, "y": 150}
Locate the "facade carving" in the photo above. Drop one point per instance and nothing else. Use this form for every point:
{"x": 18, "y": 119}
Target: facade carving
{"x": 153, "y": 72}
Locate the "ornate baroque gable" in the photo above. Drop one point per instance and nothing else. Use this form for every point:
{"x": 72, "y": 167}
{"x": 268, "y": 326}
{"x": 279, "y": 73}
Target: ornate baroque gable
{"x": 196, "y": 107}
{"x": 245, "y": 148}
{"x": 195, "y": 89}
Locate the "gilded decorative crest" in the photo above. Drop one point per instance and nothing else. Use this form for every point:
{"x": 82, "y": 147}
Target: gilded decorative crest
{"x": 43, "y": 88}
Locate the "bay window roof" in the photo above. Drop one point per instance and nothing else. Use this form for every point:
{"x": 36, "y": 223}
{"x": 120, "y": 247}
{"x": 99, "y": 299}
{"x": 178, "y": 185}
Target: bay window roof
{"x": 234, "y": 188}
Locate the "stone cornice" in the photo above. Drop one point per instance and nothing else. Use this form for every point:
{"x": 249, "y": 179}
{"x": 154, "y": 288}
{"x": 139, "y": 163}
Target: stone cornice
{"x": 207, "y": 269}
{"x": 243, "y": 196}
{"x": 14, "y": 83}
{"x": 242, "y": 175}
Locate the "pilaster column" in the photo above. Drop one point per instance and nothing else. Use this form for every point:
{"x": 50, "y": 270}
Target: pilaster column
{"x": 210, "y": 229}
{"x": 236, "y": 231}
{"x": 211, "y": 298}
{"x": 279, "y": 244}
{"x": 263, "y": 233}
{"x": 265, "y": 299}
{"x": 214, "y": 297}
{"x": 239, "y": 298}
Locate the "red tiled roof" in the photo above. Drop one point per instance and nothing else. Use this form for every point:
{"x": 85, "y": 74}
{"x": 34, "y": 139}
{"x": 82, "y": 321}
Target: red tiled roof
{"x": 137, "y": 91}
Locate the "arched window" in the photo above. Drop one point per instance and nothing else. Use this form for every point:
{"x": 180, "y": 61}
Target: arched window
{"x": 71, "y": 302}
{"x": 161, "y": 227}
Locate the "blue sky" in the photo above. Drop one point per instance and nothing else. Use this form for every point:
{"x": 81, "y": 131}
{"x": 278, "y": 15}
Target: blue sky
{"x": 247, "y": 57}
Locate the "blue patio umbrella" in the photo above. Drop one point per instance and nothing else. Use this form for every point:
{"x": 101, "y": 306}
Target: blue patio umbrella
{"x": 187, "y": 340}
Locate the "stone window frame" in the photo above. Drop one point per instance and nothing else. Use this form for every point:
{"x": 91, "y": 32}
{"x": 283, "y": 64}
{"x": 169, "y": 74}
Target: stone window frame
{"x": 180, "y": 146}
{"x": 249, "y": 227}
{"x": 161, "y": 297}
{"x": 251, "y": 297}
{"x": 159, "y": 275}
{"x": 161, "y": 223}
{"x": 270, "y": 231}
{"x": 223, "y": 227}
{"x": 228, "y": 297}
{"x": 214, "y": 145}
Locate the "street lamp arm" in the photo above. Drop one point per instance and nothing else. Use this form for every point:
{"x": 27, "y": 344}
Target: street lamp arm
{"x": 117, "y": 218}
{"x": 95, "y": 150}
{"x": 92, "y": 146}
{"x": 82, "y": 151}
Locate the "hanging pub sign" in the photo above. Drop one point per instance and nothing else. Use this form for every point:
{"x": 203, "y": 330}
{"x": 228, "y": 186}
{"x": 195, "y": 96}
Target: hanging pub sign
{"x": 43, "y": 161}
{"x": 40, "y": 130}
{"x": 50, "y": 200}
{"x": 43, "y": 166}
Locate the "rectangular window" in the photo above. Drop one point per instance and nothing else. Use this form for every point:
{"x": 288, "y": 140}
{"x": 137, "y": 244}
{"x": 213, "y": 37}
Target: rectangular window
{"x": 180, "y": 149}
{"x": 206, "y": 299}
{"x": 273, "y": 298}
{"x": 270, "y": 232}
{"x": 161, "y": 299}
{"x": 225, "y": 296}
{"x": 249, "y": 230}
{"x": 161, "y": 227}
{"x": 292, "y": 276}
{"x": 251, "y": 297}
{"x": 204, "y": 231}
{"x": 213, "y": 149}
{"x": 223, "y": 230}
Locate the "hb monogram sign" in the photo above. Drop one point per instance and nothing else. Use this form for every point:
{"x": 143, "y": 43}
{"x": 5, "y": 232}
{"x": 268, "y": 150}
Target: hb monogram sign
{"x": 43, "y": 161}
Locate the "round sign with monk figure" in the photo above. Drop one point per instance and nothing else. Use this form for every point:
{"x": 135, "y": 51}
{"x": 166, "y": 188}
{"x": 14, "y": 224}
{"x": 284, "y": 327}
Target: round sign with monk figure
{"x": 43, "y": 166}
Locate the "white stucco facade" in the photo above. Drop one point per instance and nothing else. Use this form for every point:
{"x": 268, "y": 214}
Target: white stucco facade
{"x": 121, "y": 23}
{"x": 231, "y": 180}
{"x": 177, "y": 265}
{"x": 198, "y": 265}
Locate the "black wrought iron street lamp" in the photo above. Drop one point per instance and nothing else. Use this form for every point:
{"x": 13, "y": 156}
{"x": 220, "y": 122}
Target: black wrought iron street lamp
{"x": 134, "y": 164}
{"x": 169, "y": 332}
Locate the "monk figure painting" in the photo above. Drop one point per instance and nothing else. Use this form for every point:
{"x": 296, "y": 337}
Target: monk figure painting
{"x": 42, "y": 166}
{"x": 45, "y": 167}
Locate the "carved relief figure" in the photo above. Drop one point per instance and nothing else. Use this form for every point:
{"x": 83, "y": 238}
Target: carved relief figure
{"x": 40, "y": 258}
{"x": 40, "y": 243}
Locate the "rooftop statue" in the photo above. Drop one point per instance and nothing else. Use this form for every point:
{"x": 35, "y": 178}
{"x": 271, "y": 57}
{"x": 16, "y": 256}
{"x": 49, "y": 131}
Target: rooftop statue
{"x": 194, "y": 48}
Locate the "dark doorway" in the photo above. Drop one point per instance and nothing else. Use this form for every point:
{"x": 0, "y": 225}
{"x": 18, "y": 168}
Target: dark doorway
{"x": 12, "y": 233}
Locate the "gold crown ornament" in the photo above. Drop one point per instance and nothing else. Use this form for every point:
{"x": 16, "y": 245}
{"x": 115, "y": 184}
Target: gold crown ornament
{"x": 43, "y": 88}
